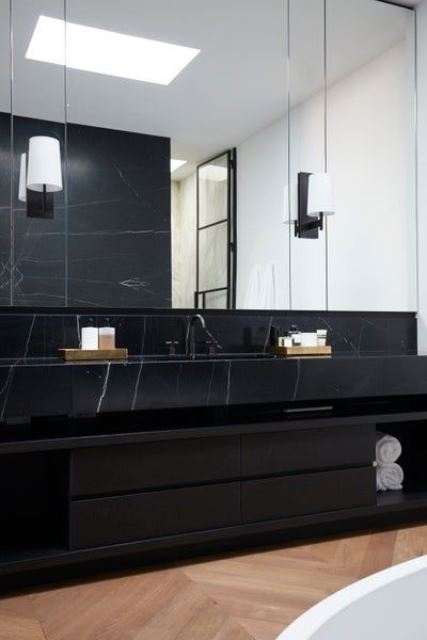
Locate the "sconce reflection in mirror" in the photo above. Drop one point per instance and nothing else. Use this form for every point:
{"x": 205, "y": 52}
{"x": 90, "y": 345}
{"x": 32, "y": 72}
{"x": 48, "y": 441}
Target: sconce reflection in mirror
{"x": 315, "y": 200}
{"x": 41, "y": 177}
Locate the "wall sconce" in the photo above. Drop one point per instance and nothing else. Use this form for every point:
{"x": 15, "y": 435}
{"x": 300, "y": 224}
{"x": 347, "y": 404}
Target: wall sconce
{"x": 42, "y": 177}
{"x": 315, "y": 200}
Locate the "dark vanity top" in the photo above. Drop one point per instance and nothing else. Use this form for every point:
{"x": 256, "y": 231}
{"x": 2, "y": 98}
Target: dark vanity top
{"x": 218, "y": 357}
{"x": 51, "y": 387}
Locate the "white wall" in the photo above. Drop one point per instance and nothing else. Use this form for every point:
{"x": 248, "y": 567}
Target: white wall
{"x": 369, "y": 262}
{"x": 372, "y": 237}
{"x": 262, "y": 231}
{"x": 422, "y": 174}
{"x": 308, "y": 256}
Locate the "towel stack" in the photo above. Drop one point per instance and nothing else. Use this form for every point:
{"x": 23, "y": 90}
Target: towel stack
{"x": 262, "y": 288}
{"x": 389, "y": 474}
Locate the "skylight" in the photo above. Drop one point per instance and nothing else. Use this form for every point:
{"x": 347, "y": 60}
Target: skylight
{"x": 176, "y": 164}
{"x": 107, "y": 52}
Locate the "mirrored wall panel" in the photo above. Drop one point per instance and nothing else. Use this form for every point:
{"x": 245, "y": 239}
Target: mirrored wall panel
{"x": 182, "y": 141}
{"x": 371, "y": 156}
{"x": 230, "y": 155}
{"x": 307, "y": 151}
{"x": 39, "y": 221}
{"x": 5, "y": 155}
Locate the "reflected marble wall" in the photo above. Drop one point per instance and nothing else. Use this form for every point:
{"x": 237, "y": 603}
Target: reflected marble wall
{"x": 109, "y": 242}
{"x": 184, "y": 240}
{"x": 119, "y": 218}
{"x": 213, "y": 241}
{"x": 39, "y": 245}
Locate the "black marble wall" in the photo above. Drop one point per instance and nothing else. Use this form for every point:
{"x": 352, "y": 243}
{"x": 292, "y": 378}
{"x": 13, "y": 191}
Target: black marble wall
{"x": 41, "y": 334}
{"x": 39, "y": 245}
{"x": 119, "y": 218}
{"x": 110, "y": 235}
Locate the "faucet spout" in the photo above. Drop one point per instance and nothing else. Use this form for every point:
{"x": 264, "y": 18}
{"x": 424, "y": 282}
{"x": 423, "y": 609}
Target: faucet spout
{"x": 190, "y": 341}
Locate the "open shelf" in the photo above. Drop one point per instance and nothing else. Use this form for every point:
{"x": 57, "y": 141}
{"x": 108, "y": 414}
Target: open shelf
{"x": 33, "y": 490}
{"x": 402, "y": 499}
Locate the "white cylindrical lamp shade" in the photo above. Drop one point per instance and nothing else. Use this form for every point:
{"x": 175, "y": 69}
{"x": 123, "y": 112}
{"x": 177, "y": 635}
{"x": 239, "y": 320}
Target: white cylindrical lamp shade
{"x": 320, "y": 195}
{"x": 22, "y": 192}
{"x": 44, "y": 164}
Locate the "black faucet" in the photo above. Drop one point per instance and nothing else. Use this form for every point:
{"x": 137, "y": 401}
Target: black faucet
{"x": 190, "y": 342}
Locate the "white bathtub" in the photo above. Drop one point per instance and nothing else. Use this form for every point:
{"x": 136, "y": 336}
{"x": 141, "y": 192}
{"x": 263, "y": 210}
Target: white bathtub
{"x": 390, "y": 605}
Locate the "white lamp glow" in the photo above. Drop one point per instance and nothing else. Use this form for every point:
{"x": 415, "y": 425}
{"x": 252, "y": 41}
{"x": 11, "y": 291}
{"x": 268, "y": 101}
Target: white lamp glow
{"x": 44, "y": 165}
{"x": 320, "y": 195}
{"x": 107, "y": 52}
{"x": 22, "y": 191}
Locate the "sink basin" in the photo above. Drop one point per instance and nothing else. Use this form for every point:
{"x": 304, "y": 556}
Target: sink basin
{"x": 217, "y": 356}
{"x": 233, "y": 356}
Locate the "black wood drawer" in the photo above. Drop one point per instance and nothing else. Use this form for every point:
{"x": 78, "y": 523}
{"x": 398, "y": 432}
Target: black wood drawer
{"x": 107, "y": 521}
{"x": 125, "y": 468}
{"x": 309, "y": 493}
{"x": 307, "y": 449}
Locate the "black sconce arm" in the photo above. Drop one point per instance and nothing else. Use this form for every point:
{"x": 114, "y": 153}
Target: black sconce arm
{"x": 306, "y": 226}
{"x": 300, "y": 228}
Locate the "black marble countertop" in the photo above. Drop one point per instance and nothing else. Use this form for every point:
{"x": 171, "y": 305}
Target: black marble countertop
{"x": 51, "y": 387}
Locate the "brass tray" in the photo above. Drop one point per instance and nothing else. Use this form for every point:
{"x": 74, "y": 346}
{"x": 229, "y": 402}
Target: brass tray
{"x": 95, "y": 354}
{"x": 298, "y": 352}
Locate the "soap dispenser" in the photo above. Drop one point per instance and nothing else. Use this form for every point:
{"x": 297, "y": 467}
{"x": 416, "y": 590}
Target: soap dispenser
{"x": 89, "y": 340}
{"x": 296, "y": 336}
{"x": 273, "y": 337}
{"x": 107, "y": 337}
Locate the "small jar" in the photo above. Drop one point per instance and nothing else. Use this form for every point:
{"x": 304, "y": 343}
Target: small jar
{"x": 107, "y": 338}
{"x": 322, "y": 336}
{"x": 89, "y": 337}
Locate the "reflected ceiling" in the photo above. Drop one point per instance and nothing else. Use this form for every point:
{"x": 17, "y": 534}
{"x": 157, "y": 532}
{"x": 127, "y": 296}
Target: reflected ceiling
{"x": 236, "y": 86}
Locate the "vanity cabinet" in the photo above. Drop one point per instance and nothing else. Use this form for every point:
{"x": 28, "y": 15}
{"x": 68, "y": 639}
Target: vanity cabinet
{"x": 169, "y": 487}
{"x": 307, "y": 449}
{"x": 152, "y": 465}
{"x": 142, "y": 491}
{"x": 97, "y": 498}
{"x": 307, "y": 493}
{"x": 152, "y": 514}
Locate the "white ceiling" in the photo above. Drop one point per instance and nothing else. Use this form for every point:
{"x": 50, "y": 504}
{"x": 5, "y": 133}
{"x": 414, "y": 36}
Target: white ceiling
{"x": 236, "y": 86}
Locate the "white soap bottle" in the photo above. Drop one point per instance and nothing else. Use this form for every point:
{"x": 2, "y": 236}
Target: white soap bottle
{"x": 90, "y": 338}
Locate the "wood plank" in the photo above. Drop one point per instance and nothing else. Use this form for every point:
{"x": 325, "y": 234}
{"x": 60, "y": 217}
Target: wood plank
{"x": 78, "y": 355}
{"x": 246, "y": 596}
{"x": 300, "y": 352}
{"x": 18, "y": 620}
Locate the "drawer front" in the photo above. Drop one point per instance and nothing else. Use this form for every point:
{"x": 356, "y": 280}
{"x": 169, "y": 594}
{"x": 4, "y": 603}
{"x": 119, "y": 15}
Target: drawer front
{"x": 108, "y": 521}
{"x": 307, "y": 449}
{"x": 305, "y": 494}
{"x": 125, "y": 468}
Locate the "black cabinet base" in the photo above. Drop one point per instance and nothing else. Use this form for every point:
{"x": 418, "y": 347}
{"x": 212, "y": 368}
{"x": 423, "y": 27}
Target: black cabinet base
{"x": 117, "y": 498}
{"x": 53, "y": 565}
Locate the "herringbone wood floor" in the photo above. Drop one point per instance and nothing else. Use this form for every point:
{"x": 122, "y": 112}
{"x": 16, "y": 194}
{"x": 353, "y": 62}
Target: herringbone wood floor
{"x": 234, "y": 597}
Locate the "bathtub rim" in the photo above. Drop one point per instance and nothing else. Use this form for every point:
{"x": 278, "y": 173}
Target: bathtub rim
{"x": 312, "y": 620}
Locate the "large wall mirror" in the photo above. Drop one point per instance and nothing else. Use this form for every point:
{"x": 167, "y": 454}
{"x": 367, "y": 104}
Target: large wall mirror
{"x": 253, "y": 154}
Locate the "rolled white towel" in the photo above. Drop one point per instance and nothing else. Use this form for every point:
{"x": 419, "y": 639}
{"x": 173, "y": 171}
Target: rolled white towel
{"x": 388, "y": 449}
{"x": 389, "y": 477}
{"x": 254, "y": 291}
